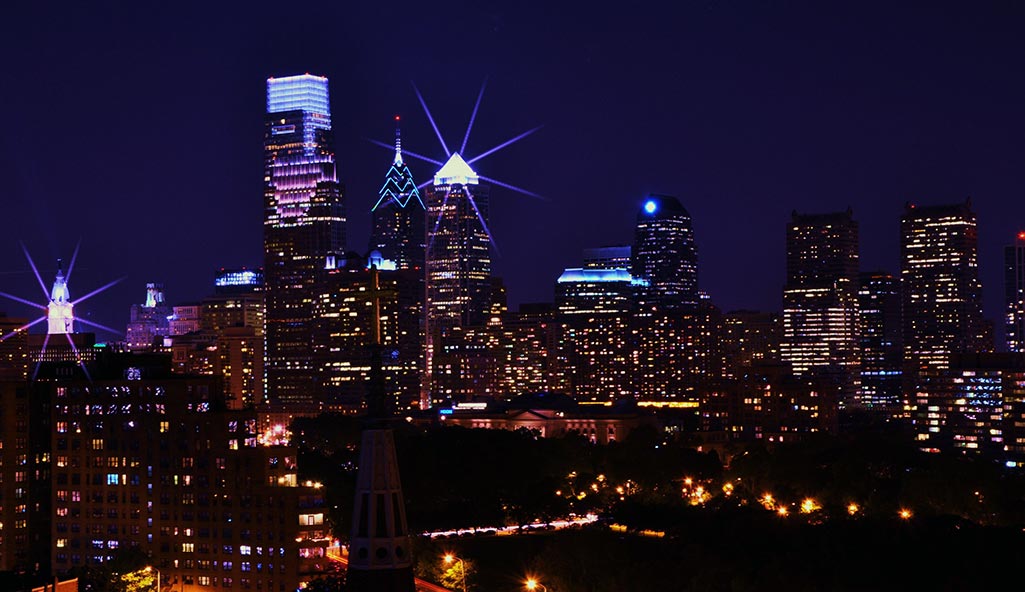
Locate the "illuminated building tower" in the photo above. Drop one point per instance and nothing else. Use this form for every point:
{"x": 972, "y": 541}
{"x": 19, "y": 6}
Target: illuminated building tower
{"x": 14, "y": 350}
{"x": 1014, "y": 294}
{"x": 664, "y": 253}
{"x": 678, "y": 355}
{"x": 820, "y": 299}
{"x": 60, "y": 316}
{"x": 148, "y": 321}
{"x": 399, "y": 215}
{"x": 222, "y": 489}
{"x": 750, "y": 338}
{"x": 304, "y": 223}
{"x": 458, "y": 254}
{"x": 344, "y": 331}
{"x": 941, "y": 294}
{"x": 880, "y": 341}
{"x": 594, "y": 316}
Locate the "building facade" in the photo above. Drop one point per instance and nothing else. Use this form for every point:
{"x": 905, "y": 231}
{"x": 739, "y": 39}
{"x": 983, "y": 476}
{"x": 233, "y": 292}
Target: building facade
{"x": 880, "y": 342}
{"x": 820, "y": 299}
{"x": 941, "y": 295}
{"x": 664, "y": 254}
{"x": 304, "y": 223}
{"x": 1014, "y": 294}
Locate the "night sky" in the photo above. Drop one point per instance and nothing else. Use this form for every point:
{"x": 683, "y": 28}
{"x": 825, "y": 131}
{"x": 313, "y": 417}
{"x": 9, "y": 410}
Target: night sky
{"x": 137, "y": 127}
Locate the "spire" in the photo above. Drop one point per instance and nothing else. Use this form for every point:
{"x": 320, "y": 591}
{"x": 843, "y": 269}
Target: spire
{"x": 398, "y": 144}
{"x": 60, "y": 313}
{"x": 456, "y": 172}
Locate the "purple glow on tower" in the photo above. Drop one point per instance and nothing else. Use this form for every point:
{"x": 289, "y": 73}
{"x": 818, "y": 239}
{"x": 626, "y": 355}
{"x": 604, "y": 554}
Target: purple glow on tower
{"x": 99, "y": 326}
{"x": 22, "y": 300}
{"x": 444, "y": 202}
{"x": 22, "y": 328}
{"x": 74, "y": 257}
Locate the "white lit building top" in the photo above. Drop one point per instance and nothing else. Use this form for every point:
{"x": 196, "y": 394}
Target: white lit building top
{"x": 456, "y": 172}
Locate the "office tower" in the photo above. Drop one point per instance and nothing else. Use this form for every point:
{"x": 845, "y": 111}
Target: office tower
{"x": 968, "y": 406}
{"x": 399, "y": 215}
{"x": 458, "y": 256}
{"x": 303, "y": 224}
{"x": 148, "y": 321}
{"x": 664, "y": 253}
{"x": 238, "y": 281}
{"x": 750, "y": 338}
{"x": 141, "y": 458}
{"x": 594, "y": 316}
{"x": 820, "y": 299}
{"x": 610, "y": 257}
{"x": 24, "y": 478}
{"x": 880, "y": 342}
{"x": 14, "y": 349}
{"x": 678, "y": 355}
{"x": 344, "y": 332}
{"x": 941, "y": 294}
{"x": 1014, "y": 294}
{"x": 527, "y": 345}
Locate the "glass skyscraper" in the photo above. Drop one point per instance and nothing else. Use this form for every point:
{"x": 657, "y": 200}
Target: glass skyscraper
{"x": 458, "y": 254}
{"x": 664, "y": 253}
{"x": 820, "y": 299}
{"x": 1014, "y": 294}
{"x": 941, "y": 295}
{"x": 398, "y": 216}
{"x": 304, "y": 223}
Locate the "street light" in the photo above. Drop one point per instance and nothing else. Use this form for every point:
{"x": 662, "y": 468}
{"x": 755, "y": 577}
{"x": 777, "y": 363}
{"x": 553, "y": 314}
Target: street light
{"x": 533, "y": 584}
{"x": 150, "y": 568}
{"x": 449, "y": 558}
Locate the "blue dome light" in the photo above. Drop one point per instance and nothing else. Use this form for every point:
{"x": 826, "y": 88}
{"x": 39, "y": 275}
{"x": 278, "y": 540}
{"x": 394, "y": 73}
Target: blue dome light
{"x": 650, "y": 206}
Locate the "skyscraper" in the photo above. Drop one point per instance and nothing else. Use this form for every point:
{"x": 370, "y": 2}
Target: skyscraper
{"x": 148, "y": 320}
{"x": 820, "y": 299}
{"x": 398, "y": 216}
{"x": 458, "y": 253}
{"x": 1014, "y": 293}
{"x": 664, "y": 253}
{"x": 880, "y": 341}
{"x": 304, "y": 223}
{"x": 941, "y": 296}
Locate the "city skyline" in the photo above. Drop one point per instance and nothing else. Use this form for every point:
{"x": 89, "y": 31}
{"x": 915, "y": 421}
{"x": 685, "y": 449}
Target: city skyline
{"x": 929, "y": 145}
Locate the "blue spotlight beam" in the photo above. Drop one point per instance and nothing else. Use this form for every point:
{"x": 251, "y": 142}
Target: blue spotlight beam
{"x": 32, "y": 264}
{"x": 514, "y": 188}
{"x": 98, "y": 290}
{"x": 473, "y": 116}
{"x": 99, "y": 326}
{"x": 74, "y": 257}
{"x": 22, "y": 300}
{"x": 504, "y": 144}
{"x": 444, "y": 202}
{"x": 408, "y": 153}
{"x": 482, "y": 222}
{"x": 22, "y": 328}
{"x": 431, "y": 118}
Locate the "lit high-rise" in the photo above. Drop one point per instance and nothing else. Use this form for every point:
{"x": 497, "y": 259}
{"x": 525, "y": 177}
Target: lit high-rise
{"x": 398, "y": 216}
{"x": 880, "y": 341}
{"x": 304, "y": 222}
{"x": 941, "y": 296}
{"x": 458, "y": 253}
{"x": 820, "y": 299}
{"x": 664, "y": 253}
{"x": 1014, "y": 294}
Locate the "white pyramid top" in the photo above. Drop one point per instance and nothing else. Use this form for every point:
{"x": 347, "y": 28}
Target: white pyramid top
{"x": 456, "y": 172}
